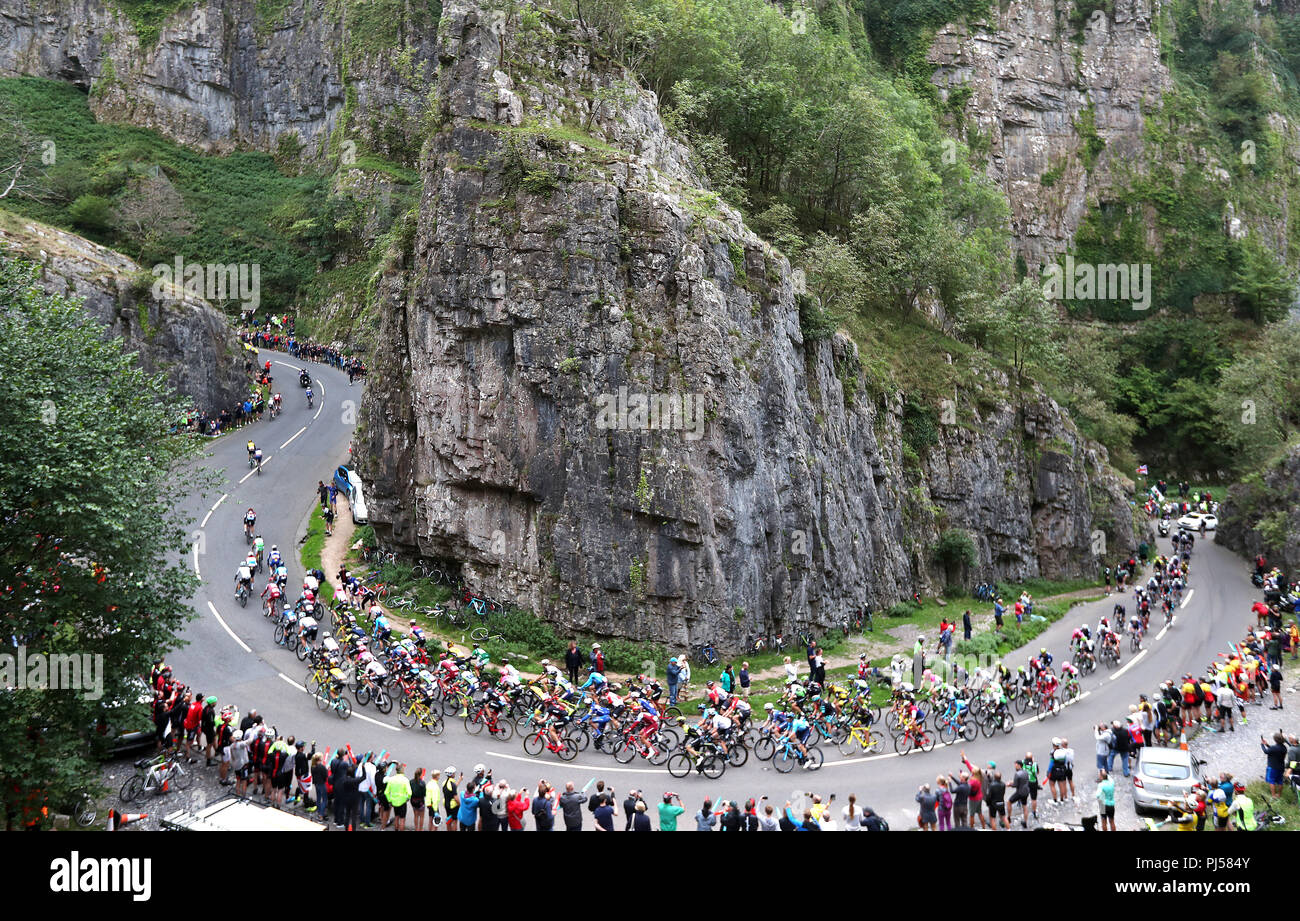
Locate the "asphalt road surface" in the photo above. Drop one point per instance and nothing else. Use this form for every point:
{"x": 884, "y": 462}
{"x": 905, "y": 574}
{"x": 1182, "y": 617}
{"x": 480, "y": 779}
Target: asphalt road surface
{"x": 230, "y": 651}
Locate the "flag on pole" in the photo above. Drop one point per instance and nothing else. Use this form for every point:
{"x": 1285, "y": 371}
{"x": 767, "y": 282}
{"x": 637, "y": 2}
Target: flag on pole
{"x": 1142, "y": 469}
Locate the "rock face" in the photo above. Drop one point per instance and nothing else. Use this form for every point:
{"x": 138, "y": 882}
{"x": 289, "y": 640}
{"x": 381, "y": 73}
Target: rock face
{"x": 566, "y": 265}
{"x": 221, "y": 77}
{"x": 186, "y": 339}
{"x": 1264, "y": 516}
{"x": 1038, "y": 94}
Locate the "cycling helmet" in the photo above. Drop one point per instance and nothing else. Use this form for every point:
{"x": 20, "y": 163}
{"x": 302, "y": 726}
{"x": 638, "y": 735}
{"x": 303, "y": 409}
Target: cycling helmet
{"x": 635, "y": 694}
{"x": 479, "y": 769}
{"x": 768, "y": 707}
{"x": 546, "y": 662}
{"x": 274, "y": 548}
{"x": 710, "y": 684}
{"x": 681, "y": 721}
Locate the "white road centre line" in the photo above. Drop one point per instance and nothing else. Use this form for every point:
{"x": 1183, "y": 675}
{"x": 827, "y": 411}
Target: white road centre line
{"x": 295, "y": 435}
{"x": 221, "y": 621}
{"x": 1132, "y": 662}
{"x": 204, "y": 522}
{"x": 266, "y": 460}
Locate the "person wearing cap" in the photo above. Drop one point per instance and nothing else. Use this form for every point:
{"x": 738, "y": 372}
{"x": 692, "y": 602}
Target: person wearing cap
{"x": 597, "y": 658}
{"x": 451, "y": 803}
{"x": 1106, "y": 800}
{"x": 674, "y": 675}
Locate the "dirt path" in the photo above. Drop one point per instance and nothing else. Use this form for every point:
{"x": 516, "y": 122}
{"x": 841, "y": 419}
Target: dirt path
{"x": 337, "y": 544}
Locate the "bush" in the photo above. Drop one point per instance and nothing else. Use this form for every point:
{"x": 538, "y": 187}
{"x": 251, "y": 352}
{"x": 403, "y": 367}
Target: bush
{"x": 92, "y": 213}
{"x": 901, "y": 609}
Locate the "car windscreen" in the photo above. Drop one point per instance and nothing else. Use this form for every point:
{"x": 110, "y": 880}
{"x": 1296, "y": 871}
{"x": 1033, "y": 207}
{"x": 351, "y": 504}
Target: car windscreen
{"x": 1158, "y": 770}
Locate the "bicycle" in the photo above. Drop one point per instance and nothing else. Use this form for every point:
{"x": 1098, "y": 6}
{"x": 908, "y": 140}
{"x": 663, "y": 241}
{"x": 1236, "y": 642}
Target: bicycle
{"x": 912, "y": 735}
{"x": 157, "y": 777}
{"x": 862, "y": 739}
{"x": 487, "y": 716}
{"x": 418, "y": 710}
{"x": 708, "y": 654}
{"x": 540, "y": 739}
{"x": 483, "y": 635}
{"x": 708, "y": 761}
{"x": 241, "y": 594}
{"x": 788, "y": 755}
{"x": 332, "y": 697}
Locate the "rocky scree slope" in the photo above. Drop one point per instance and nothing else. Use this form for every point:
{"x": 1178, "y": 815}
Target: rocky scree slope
{"x": 565, "y": 250}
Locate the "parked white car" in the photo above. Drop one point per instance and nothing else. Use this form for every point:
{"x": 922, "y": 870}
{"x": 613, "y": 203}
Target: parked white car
{"x": 349, "y": 484}
{"x": 1192, "y": 521}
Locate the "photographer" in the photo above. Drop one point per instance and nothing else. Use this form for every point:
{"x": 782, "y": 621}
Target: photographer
{"x": 669, "y": 810}
{"x": 630, "y": 810}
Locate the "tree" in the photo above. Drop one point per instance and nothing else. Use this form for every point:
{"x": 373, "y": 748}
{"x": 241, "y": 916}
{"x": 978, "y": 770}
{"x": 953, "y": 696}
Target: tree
{"x": 90, "y": 549}
{"x": 153, "y": 212}
{"x": 1258, "y": 396}
{"x": 23, "y": 156}
{"x": 1019, "y": 325}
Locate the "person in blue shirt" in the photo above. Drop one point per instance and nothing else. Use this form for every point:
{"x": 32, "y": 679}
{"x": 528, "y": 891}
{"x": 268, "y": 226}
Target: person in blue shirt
{"x": 594, "y": 680}
{"x": 468, "y": 813}
{"x": 674, "y": 674}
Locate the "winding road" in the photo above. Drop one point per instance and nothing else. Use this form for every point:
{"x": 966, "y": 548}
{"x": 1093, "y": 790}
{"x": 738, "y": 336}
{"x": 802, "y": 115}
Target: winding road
{"x": 230, "y": 651}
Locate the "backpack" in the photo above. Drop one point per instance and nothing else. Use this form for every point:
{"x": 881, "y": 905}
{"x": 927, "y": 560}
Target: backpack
{"x": 499, "y": 807}
{"x": 539, "y": 807}
{"x": 946, "y": 799}
{"x": 1135, "y": 734}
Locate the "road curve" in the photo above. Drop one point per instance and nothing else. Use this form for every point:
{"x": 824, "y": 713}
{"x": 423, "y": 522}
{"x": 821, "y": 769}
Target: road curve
{"x": 230, "y": 652}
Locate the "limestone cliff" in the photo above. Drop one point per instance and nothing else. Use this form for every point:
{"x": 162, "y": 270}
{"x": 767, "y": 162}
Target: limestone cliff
{"x": 1040, "y": 94}
{"x": 186, "y": 339}
{"x": 566, "y": 260}
{"x": 223, "y": 75}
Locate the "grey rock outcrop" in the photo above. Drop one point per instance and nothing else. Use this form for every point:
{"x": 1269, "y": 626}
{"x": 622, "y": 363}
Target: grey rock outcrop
{"x": 221, "y": 78}
{"x": 1264, "y": 516}
{"x": 184, "y": 338}
{"x": 1038, "y": 94}
{"x": 565, "y": 255}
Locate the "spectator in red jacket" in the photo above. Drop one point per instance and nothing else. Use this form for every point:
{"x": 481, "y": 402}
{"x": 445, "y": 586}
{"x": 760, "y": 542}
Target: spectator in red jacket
{"x": 518, "y": 805}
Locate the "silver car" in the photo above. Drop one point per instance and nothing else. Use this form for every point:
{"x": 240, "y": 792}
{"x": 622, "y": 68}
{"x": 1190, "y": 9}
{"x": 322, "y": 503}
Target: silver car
{"x": 1164, "y": 777}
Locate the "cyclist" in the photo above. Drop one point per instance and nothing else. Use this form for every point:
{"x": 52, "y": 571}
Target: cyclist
{"x": 1135, "y": 628}
{"x": 257, "y": 459}
{"x": 273, "y": 560}
{"x": 647, "y": 720}
{"x": 281, "y": 576}
{"x": 509, "y": 674}
{"x": 258, "y": 546}
{"x": 310, "y": 396}
{"x": 244, "y": 577}
{"x": 383, "y": 632}
{"x": 275, "y": 404}
{"x": 272, "y": 596}
{"x": 252, "y": 449}
{"x": 800, "y": 730}
{"x": 250, "y": 519}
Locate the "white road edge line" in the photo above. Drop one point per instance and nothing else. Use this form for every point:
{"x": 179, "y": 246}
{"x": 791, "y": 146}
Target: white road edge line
{"x": 1132, "y": 662}
{"x": 221, "y": 621}
{"x": 360, "y": 716}
{"x": 295, "y": 435}
{"x": 266, "y": 460}
{"x": 1190, "y": 593}
{"x": 322, "y": 401}
{"x": 204, "y": 522}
